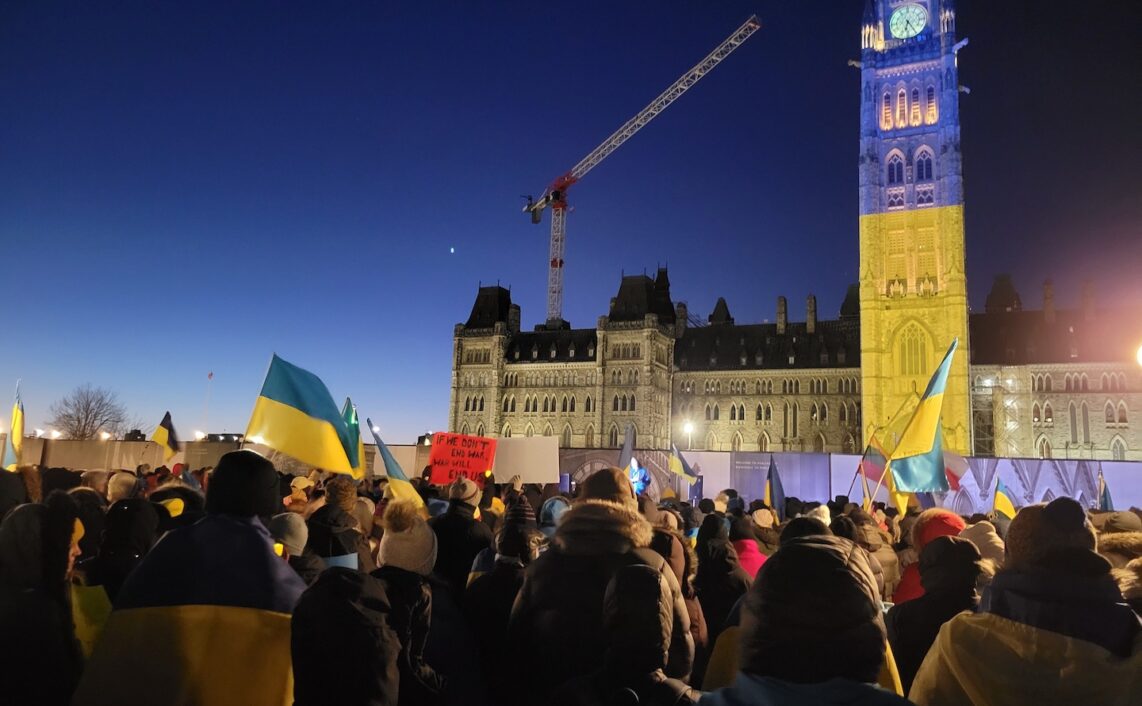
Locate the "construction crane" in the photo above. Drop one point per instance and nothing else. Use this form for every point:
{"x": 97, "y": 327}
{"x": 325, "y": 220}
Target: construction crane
{"x": 556, "y": 195}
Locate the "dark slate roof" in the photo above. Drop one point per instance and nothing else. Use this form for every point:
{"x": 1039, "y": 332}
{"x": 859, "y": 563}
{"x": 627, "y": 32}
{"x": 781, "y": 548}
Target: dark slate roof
{"x": 721, "y": 314}
{"x": 1024, "y": 337}
{"x": 640, "y": 295}
{"x": 1003, "y": 296}
{"x": 850, "y": 307}
{"x": 492, "y": 305}
{"x": 542, "y": 340}
{"x": 721, "y": 347}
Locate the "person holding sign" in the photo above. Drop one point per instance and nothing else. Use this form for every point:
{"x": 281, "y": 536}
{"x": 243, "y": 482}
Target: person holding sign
{"x": 459, "y": 535}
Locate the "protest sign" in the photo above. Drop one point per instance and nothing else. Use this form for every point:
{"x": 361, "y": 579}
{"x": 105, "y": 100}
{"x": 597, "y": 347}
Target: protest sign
{"x": 456, "y": 455}
{"x": 534, "y": 459}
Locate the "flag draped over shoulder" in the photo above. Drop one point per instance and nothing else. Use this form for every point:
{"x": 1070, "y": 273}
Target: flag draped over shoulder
{"x": 917, "y": 463}
{"x": 295, "y": 414}
{"x": 1003, "y": 504}
{"x": 679, "y": 467}
{"x": 774, "y": 491}
{"x": 353, "y": 425}
{"x": 398, "y": 482}
{"x": 166, "y": 437}
{"x": 14, "y": 444}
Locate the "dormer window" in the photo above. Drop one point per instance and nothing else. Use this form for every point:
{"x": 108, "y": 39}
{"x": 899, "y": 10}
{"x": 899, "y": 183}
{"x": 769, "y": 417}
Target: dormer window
{"x": 552, "y": 353}
{"x": 591, "y": 350}
{"x": 515, "y": 352}
{"x": 534, "y": 352}
{"x": 571, "y": 351}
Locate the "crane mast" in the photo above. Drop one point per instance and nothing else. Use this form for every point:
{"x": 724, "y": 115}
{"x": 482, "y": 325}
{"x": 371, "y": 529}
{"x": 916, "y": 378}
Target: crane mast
{"x": 555, "y": 195}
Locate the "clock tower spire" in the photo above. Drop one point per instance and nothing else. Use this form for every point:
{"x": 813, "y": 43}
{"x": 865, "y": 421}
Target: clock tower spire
{"x": 913, "y": 290}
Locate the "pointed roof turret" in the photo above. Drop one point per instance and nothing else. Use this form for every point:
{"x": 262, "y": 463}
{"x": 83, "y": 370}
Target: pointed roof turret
{"x": 721, "y": 313}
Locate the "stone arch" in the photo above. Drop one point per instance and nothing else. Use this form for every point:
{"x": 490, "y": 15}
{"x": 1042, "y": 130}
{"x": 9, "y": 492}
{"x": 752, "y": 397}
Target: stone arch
{"x": 506, "y": 432}
{"x": 763, "y": 441}
{"x": 736, "y": 442}
{"x": 565, "y": 437}
{"x": 711, "y": 441}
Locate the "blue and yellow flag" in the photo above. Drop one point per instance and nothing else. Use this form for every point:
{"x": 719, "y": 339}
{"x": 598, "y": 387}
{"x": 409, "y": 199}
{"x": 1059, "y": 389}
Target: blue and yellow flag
{"x": 166, "y": 437}
{"x": 917, "y": 462}
{"x": 774, "y": 491}
{"x": 679, "y": 467}
{"x": 15, "y": 441}
{"x": 295, "y": 414}
{"x": 399, "y": 484}
{"x": 1105, "y": 503}
{"x": 1002, "y": 504}
{"x": 353, "y": 425}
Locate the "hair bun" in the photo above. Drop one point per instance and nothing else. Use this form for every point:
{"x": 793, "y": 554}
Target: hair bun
{"x": 400, "y": 516}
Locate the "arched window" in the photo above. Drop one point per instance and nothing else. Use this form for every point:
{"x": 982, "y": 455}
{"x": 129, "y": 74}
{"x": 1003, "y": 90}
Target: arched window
{"x": 796, "y": 387}
{"x": 716, "y": 412}
{"x": 1070, "y": 385}
{"x": 819, "y": 443}
{"x": 850, "y": 444}
{"x": 711, "y": 442}
{"x": 1118, "y": 450}
{"x": 736, "y": 442}
{"x": 796, "y": 414}
{"x": 589, "y": 437}
{"x": 613, "y": 437}
{"x": 785, "y": 422}
{"x": 1048, "y": 383}
{"x": 924, "y": 165}
{"x": 529, "y": 432}
{"x": 632, "y": 403}
{"x": 546, "y": 405}
{"x": 1122, "y": 413}
{"x": 1048, "y": 414}
{"x": 914, "y": 118}
{"x": 467, "y": 404}
{"x": 1044, "y": 447}
{"x": 844, "y": 414}
{"x": 507, "y": 431}
{"x": 507, "y": 401}
{"x": 886, "y": 113}
{"x": 563, "y": 405}
{"x": 464, "y": 428}
{"x": 1086, "y": 424}
{"x": 1105, "y": 383}
{"x": 1036, "y": 417}
{"x": 932, "y": 114}
{"x": 615, "y": 404}
{"x": 768, "y": 412}
{"x": 479, "y": 430}
{"x": 1074, "y": 425}
{"x": 565, "y": 441}
{"x": 763, "y": 442}
{"x": 895, "y": 169}
{"x": 741, "y": 412}
{"x": 1110, "y": 415}
{"x": 824, "y": 413}
{"x": 709, "y": 414}
{"x": 1084, "y": 383}
{"x": 901, "y": 109}
{"x": 481, "y": 403}
{"x": 571, "y": 406}
{"x": 813, "y": 413}
{"x": 913, "y": 351}
{"x": 733, "y": 413}
{"x": 760, "y": 415}
{"x": 589, "y": 405}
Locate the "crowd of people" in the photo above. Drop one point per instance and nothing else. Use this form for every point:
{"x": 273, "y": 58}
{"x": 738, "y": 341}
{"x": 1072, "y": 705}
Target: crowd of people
{"x": 240, "y": 584}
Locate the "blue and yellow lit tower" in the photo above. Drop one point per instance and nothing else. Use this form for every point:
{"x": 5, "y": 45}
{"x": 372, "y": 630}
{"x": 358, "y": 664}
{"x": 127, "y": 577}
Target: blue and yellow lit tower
{"x": 913, "y": 291}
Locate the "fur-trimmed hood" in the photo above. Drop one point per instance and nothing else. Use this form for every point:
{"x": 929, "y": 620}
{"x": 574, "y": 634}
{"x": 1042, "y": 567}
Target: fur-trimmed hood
{"x": 1120, "y": 548}
{"x": 602, "y": 527}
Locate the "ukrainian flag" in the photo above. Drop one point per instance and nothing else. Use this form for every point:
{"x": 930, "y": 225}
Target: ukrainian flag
{"x": 1003, "y": 505}
{"x": 295, "y": 414}
{"x": 679, "y": 467}
{"x": 165, "y": 437}
{"x": 774, "y": 490}
{"x": 15, "y": 441}
{"x": 398, "y": 482}
{"x": 917, "y": 462}
{"x": 1105, "y": 503}
{"x": 353, "y": 425}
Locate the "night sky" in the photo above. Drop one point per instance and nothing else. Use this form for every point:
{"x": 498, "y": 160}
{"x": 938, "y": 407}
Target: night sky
{"x": 189, "y": 187}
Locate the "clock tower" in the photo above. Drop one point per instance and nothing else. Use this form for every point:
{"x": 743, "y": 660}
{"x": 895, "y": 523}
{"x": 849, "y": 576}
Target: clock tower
{"x": 913, "y": 291}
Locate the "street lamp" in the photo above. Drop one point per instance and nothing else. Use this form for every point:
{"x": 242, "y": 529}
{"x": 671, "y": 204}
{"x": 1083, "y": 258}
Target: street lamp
{"x": 689, "y": 429}
{"x": 104, "y": 435}
{"x": 55, "y": 433}
{"x": 1139, "y": 355}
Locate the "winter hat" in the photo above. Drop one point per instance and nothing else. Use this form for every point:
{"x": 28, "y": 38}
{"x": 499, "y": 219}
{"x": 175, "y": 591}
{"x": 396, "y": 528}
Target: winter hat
{"x": 1122, "y": 522}
{"x": 803, "y": 527}
{"x": 1039, "y": 530}
{"x": 464, "y": 490}
{"x": 706, "y": 506}
{"x": 363, "y": 509}
{"x": 244, "y": 484}
{"x": 821, "y": 513}
{"x": 721, "y": 502}
{"x": 408, "y": 542}
{"x": 341, "y": 491}
{"x": 935, "y": 522}
{"x": 519, "y": 513}
{"x": 519, "y": 541}
{"x": 609, "y": 484}
{"x": 812, "y": 636}
{"x": 741, "y": 528}
{"x": 949, "y": 564}
{"x": 669, "y": 519}
{"x": 550, "y": 512}
{"x": 121, "y": 486}
{"x": 986, "y": 540}
{"x": 843, "y": 526}
{"x": 290, "y": 529}
{"x": 735, "y": 506}
{"x": 648, "y": 509}
{"x": 763, "y": 518}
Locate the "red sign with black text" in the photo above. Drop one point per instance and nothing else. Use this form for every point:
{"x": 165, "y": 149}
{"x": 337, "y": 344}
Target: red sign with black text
{"x": 455, "y": 455}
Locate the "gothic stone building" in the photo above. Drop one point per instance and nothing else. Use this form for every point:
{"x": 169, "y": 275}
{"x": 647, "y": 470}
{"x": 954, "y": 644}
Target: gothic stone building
{"x": 1047, "y": 383}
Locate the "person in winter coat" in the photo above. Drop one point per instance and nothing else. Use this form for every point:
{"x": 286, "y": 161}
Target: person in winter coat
{"x": 359, "y": 638}
{"x": 983, "y": 535}
{"x": 489, "y": 598}
{"x": 745, "y": 544}
{"x": 1052, "y": 626}
{"x": 636, "y": 619}
{"x": 878, "y": 543}
{"x": 768, "y": 538}
{"x": 459, "y": 535}
{"x": 720, "y": 582}
{"x": 550, "y": 512}
{"x": 674, "y": 548}
{"x": 812, "y": 631}
{"x": 949, "y": 570}
{"x": 218, "y": 586}
{"x": 129, "y": 532}
{"x": 556, "y": 628}
{"x": 92, "y": 512}
{"x": 334, "y": 534}
{"x": 39, "y": 652}
{"x": 289, "y": 530}
{"x": 932, "y": 523}
{"x": 843, "y": 526}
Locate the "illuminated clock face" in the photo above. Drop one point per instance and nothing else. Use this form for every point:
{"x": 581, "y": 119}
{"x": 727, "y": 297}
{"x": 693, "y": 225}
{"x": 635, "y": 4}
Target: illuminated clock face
{"x": 907, "y": 21}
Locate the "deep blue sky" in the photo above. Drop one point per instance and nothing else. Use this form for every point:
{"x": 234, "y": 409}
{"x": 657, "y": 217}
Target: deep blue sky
{"x": 188, "y": 187}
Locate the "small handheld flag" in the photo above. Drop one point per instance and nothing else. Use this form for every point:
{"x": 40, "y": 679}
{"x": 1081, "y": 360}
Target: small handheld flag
{"x": 1105, "y": 503}
{"x": 1002, "y": 504}
{"x": 166, "y": 437}
{"x": 774, "y": 491}
{"x": 14, "y": 444}
{"x": 398, "y": 482}
{"x": 353, "y": 425}
{"x": 679, "y": 467}
{"x": 295, "y": 414}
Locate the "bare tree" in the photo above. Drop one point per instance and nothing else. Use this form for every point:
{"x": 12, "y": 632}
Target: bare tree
{"x": 86, "y": 411}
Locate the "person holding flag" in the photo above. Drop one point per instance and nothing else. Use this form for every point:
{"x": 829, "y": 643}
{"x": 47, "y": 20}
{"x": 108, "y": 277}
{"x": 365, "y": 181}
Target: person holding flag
{"x": 774, "y": 491}
{"x": 399, "y": 486}
{"x": 1002, "y": 504}
{"x": 166, "y": 438}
